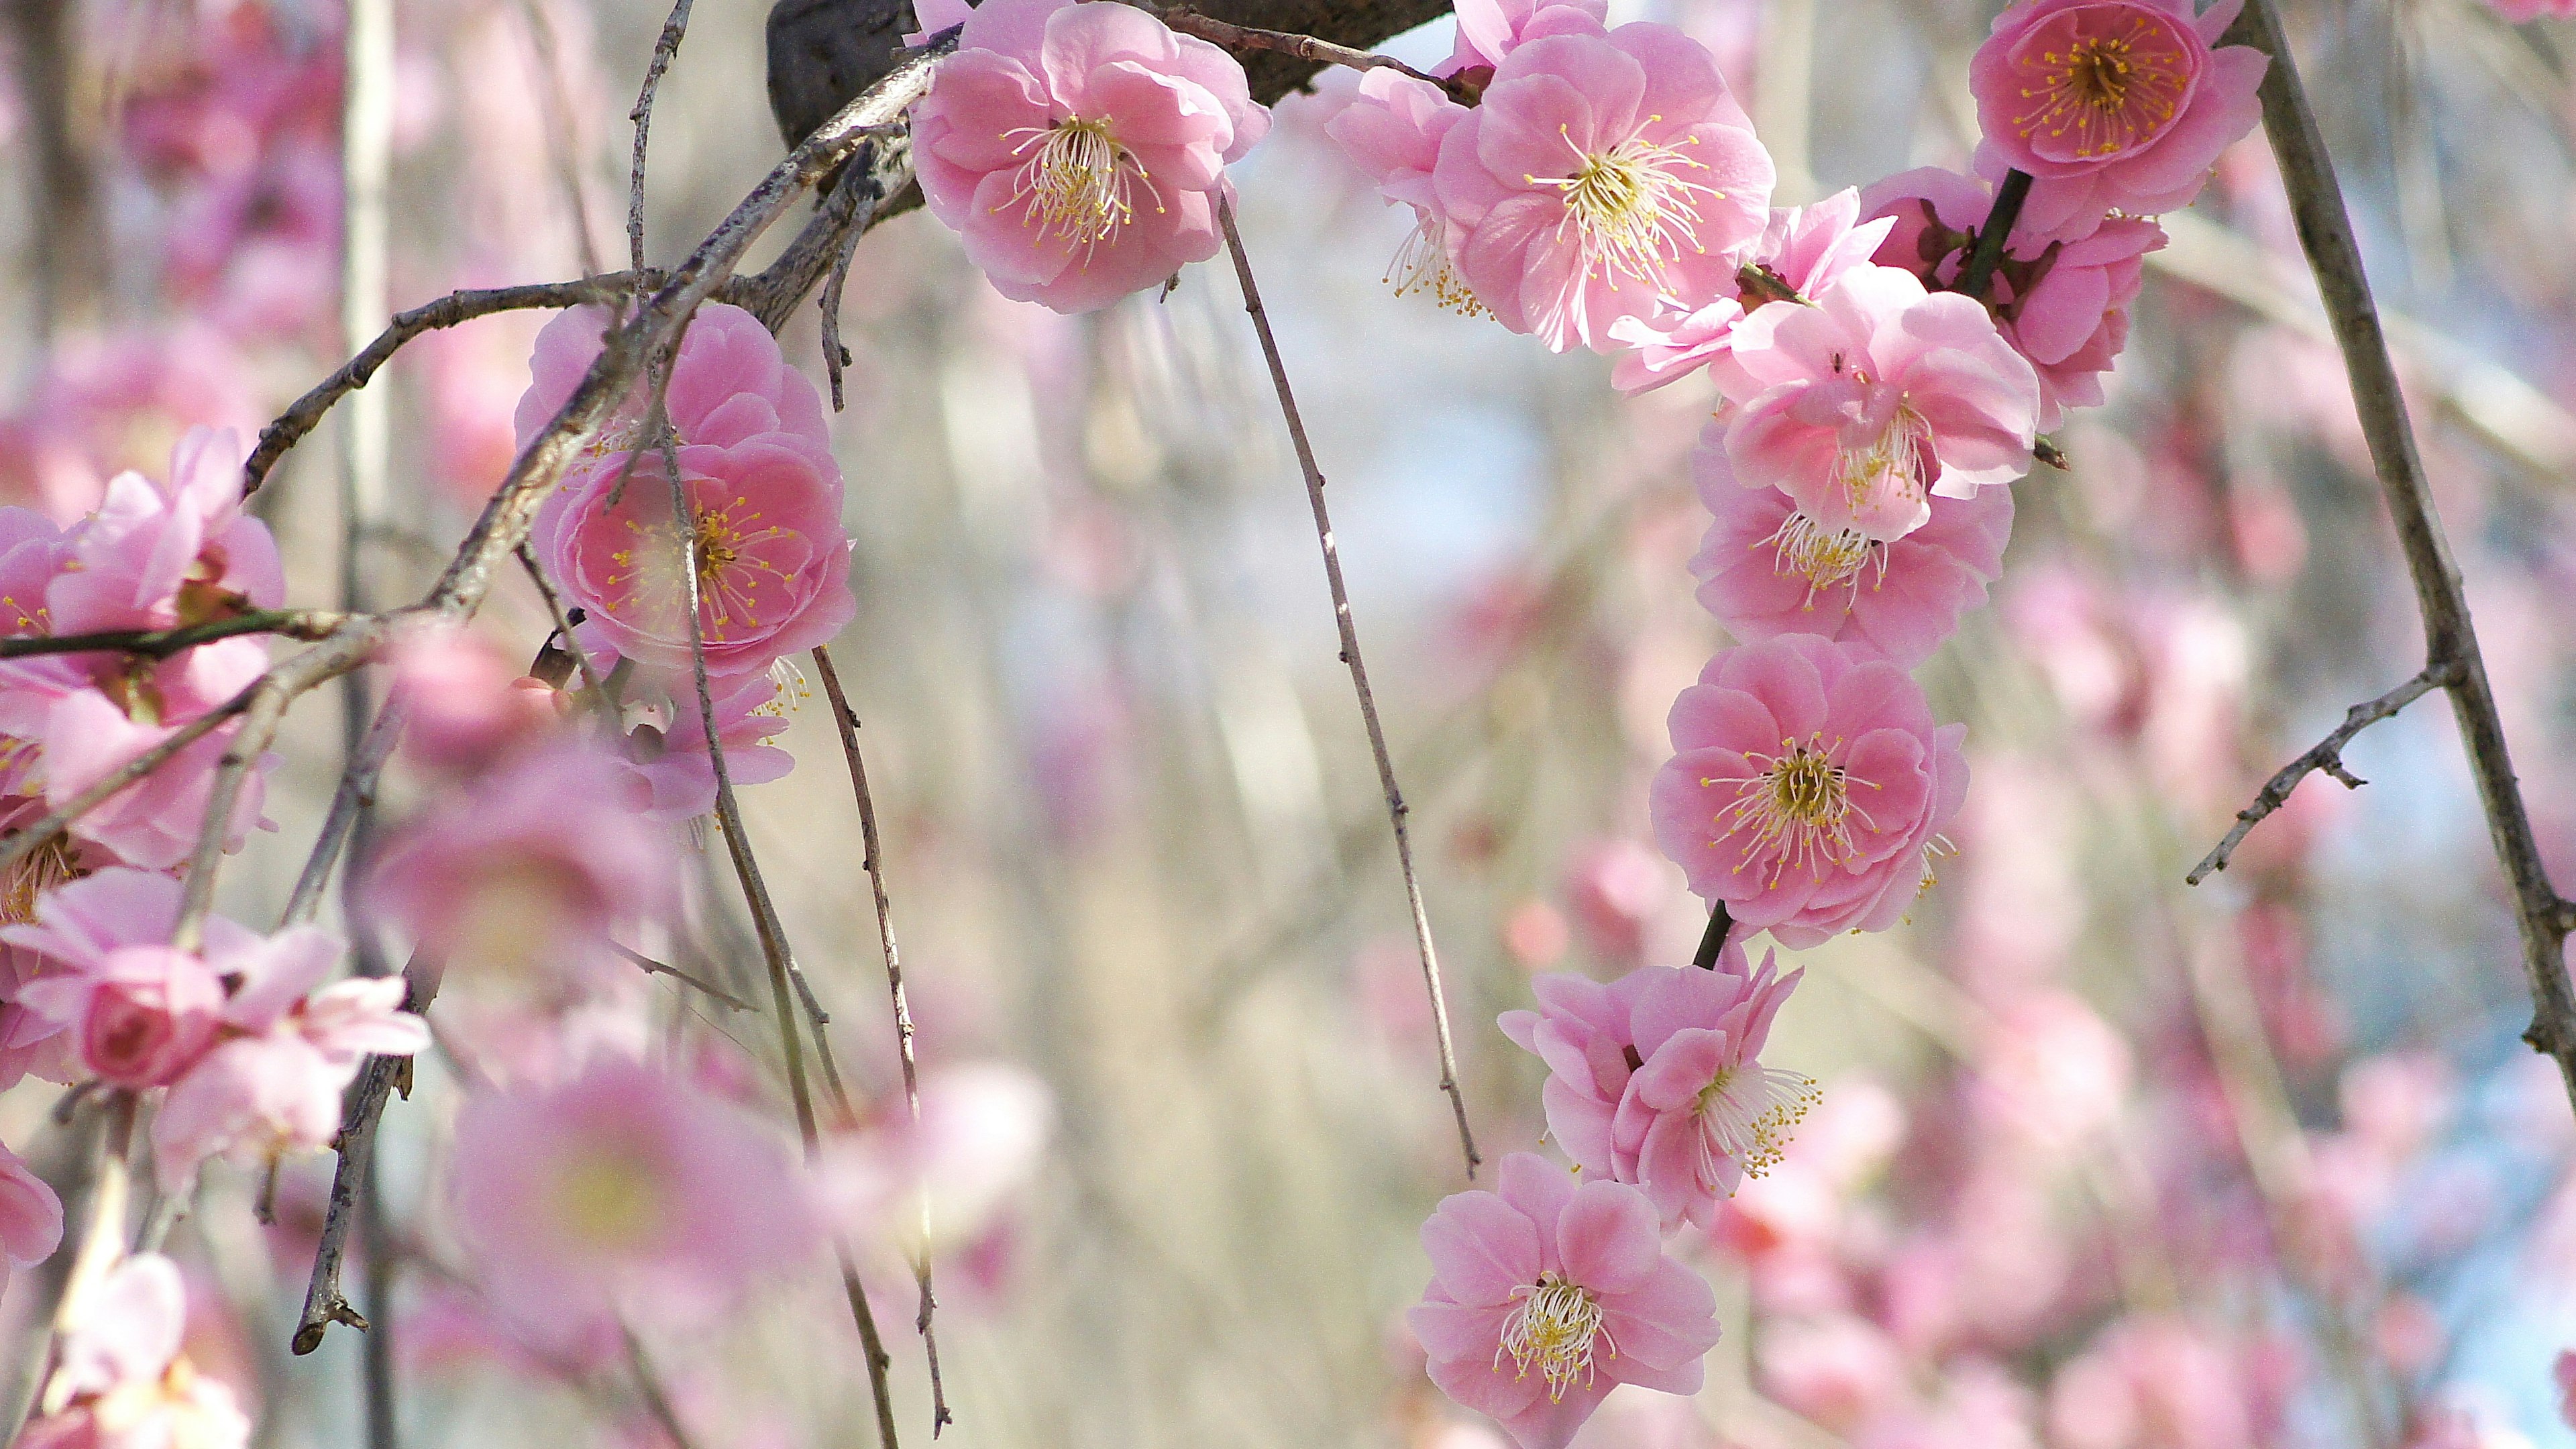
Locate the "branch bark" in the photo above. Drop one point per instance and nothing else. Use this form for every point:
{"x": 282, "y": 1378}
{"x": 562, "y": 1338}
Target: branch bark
{"x": 2450, "y": 640}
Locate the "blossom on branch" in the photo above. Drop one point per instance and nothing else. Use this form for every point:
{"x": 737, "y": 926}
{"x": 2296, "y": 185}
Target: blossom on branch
{"x": 1701, "y": 1114}
{"x": 1079, "y": 150}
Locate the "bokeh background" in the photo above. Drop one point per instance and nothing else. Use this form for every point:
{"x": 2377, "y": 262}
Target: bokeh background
{"x": 2102, "y": 1162}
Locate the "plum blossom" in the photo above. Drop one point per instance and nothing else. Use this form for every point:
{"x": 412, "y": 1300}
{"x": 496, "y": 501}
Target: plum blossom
{"x": 529, "y": 868}
{"x": 1603, "y": 176}
{"x": 2112, "y": 105}
{"x": 624, "y": 1190}
{"x": 1807, "y": 788}
{"x": 465, "y": 704}
{"x": 122, "y": 1382}
{"x": 1583, "y": 1031}
{"x": 729, "y": 386}
{"x": 31, "y": 1216}
{"x": 1703, "y": 1113}
{"x": 88, "y": 959}
{"x": 1546, "y": 1294}
{"x": 1801, "y": 251}
{"x": 1881, "y": 395}
{"x": 2062, "y": 304}
{"x": 141, "y": 1014}
{"x": 1489, "y": 30}
{"x": 1079, "y": 150}
{"x": 670, "y": 762}
{"x": 981, "y": 1139}
{"x": 1391, "y": 130}
{"x": 1765, "y": 569}
{"x": 773, "y": 564}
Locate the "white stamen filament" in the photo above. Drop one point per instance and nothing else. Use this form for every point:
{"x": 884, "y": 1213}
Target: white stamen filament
{"x": 1422, "y": 263}
{"x": 1826, "y": 557}
{"x": 1555, "y": 1324}
{"x": 1078, "y": 187}
{"x": 1746, "y": 1114}
{"x": 1898, "y": 459}
{"x": 1629, "y": 210}
{"x": 1798, "y": 805}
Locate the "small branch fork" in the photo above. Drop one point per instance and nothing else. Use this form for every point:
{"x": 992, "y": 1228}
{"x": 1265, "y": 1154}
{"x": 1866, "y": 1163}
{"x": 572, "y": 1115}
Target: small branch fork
{"x": 1396, "y": 809}
{"x": 2454, "y": 663}
{"x": 2325, "y": 759}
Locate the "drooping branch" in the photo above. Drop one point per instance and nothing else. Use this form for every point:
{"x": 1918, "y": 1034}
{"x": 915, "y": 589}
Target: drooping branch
{"x": 2450, "y": 640}
{"x": 2326, "y": 758}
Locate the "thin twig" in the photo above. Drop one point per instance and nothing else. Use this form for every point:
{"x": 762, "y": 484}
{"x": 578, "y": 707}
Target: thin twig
{"x": 1395, "y": 806}
{"x": 363, "y": 1110}
{"x": 357, "y": 792}
{"x": 306, "y": 624}
{"x": 663, "y": 968}
{"x": 2326, "y": 758}
{"x": 873, "y": 862}
{"x": 1303, "y": 47}
{"x": 856, "y": 177}
{"x": 665, "y": 50}
{"x": 241, "y": 756}
{"x": 2450, "y": 640}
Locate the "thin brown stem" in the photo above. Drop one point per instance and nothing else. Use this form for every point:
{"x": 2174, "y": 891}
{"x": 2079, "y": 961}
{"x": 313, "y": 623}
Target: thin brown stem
{"x": 665, "y": 50}
{"x": 705, "y": 988}
{"x": 365, "y": 1108}
{"x": 2325, "y": 758}
{"x": 1395, "y": 807}
{"x": 1303, "y": 47}
{"x": 2450, "y": 640}
{"x": 305, "y": 624}
{"x": 873, "y": 862}
{"x": 355, "y": 795}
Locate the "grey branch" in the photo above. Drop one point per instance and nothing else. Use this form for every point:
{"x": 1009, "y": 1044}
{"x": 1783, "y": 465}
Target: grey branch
{"x": 2326, "y": 758}
{"x": 2450, "y": 641}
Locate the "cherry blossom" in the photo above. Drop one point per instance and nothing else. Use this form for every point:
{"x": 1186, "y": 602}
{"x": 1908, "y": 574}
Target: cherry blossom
{"x": 1079, "y": 149}
{"x": 1807, "y": 787}
{"x": 1605, "y": 175}
{"x": 1881, "y": 395}
{"x": 1702, "y": 1113}
{"x": 1766, "y": 569}
{"x": 2113, "y": 105}
{"x": 1545, "y": 1295}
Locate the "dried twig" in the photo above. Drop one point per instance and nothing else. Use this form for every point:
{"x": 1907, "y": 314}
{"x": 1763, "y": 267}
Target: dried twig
{"x": 665, "y": 50}
{"x": 1303, "y": 47}
{"x": 1395, "y": 806}
{"x": 306, "y": 624}
{"x": 663, "y": 968}
{"x": 2450, "y": 640}
{"x": 2326, "y": 758}
{"x": 873, "y": 862}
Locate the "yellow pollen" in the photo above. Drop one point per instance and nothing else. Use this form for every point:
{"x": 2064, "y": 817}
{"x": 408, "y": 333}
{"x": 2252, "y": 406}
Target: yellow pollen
{"x": 1078, "y": 185}
{"x": 647, "y": 586}
{"x": 2110, "y": 92}
{"x": 1630, "y": 210}
{"x": 1796, "y": 808}
{"x": 1746, "y": 1114}
{"x": 47, "y": 866}
{"x": 1422, "y": 264}
{"x": 1826, "y": 557}
{"x": 1554, "y": 1325}
{"x": 1898, "y": 458}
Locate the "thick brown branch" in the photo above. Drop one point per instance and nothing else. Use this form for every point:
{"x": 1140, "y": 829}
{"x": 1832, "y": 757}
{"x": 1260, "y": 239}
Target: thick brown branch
{"x": 2450, "y": 640}
{"x": 1395, "y": 807}
{"x": 306, "y": 624}
{"x": 2326, "y": 758}
{"x": 1301, "y": 47}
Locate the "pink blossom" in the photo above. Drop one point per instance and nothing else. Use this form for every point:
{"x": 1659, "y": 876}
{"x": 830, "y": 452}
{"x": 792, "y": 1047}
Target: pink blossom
{"x": 730, "y": 386}
{"x": 89, "y": 930}
{"x": 1391, "y": 130}
{"x": 2523, "y": 12}
{"x": 2564, "y": 1372}
{"x": 1881, "y": 395}
{"x": 1767, "y": 569}
{"x": 1489, "y": 30}
{"x": 141, "y": 1015}
{"x": 1545, "y": 1295}
{"x": 122, "y": 1382}
{"x": 2153, "y": 1382}
{"x": 290, "y": 1048}
{"x": 624, "y": 1190}
{"x": 671, "y": 764}
{"x": 1582, "y": 1031}
{"x": 109, "y": 402}
{"x": 1603, "y": 176}
{"x": 1671, "y": 345}
{"x": 31, "y": 1216}
{"x": 1803, "y": 248}
{"x": 465, "y": 703}
{"x": 158, "y": 554}
{"x": 2114, "y": 105}
{"x": 1079, "y": 149}
{"x": 1702, "y": 1113}
{"x": 1837, "y": 1369}
{"x": 2063, "y": 304}
{"x": 773, "y": 565}
{"x": 1807, "y": 787}
{"x": 980, "y": 1142}
{"x": 529, "y": 868}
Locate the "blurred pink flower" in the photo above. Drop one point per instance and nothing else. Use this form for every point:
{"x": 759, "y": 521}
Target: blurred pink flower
{"x": 112, "y": 402}
{"x": 624, "y": 1191}
{"x": 122, "y": 1382}
{"x": 528, "y": 869}
{"x": 2523, "y": 12}
{"x": 773, "y": 565}
{"x": 465, "y": 703}
{"x": 1616, "y": 886}
{"x": 141, "y": 1014}
{"x": 1767, "y": 569}
{"x": 671, "y": 764}
{"x": 2055, "y": 1068}
{"x": 1079, "y": 150}
{"x": 1603, "y": 176}
{"x": 1702, "y": 1113}
{"x": 1807, "y": 786}
{"x": 1837, "y": 1369}
{"x": 1391, "y": 130}
{"x": 31, "y": 1216}
{"x": 2114, "y": 105}
{"x": 2153, "y": 1382}
{"x": 1879, "y": 396}
{"x": 290, "y": 1047}
{"x": 2565, "y": 1373}
{"x": 2063, "y": 305}
{"x": 1572, "y": 1285}
{"x": 981, "y": 1141}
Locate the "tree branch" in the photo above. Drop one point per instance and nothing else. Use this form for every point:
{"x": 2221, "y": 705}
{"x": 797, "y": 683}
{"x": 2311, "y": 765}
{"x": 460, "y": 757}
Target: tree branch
{"x": 306, "y": 624}
{"x": 2450, "y": 640}
{"x": 2326, "y": 758}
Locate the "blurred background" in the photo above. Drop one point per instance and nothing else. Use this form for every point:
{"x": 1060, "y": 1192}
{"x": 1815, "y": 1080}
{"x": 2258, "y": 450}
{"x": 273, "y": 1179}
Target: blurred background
{"x": 2102, "y": 1162}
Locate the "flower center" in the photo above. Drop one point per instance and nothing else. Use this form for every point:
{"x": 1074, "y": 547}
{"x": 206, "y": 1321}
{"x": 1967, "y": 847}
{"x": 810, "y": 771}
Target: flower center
{"x": 1897, "y": 460}
{"x": 1797, "y": 808}
{"x": 2103, "y": 94}
{"x": 730, "y": 571}
{"x": 1827, "y": 557}
{"x": 1630, "y": 209}
{"x": 42, "y": 869}
{"x": 1076, "y": 187}
{"x": 1422, "y": 264}
{"x": 1745, "y": 1116}
{"x": 1554, "y": 1326}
